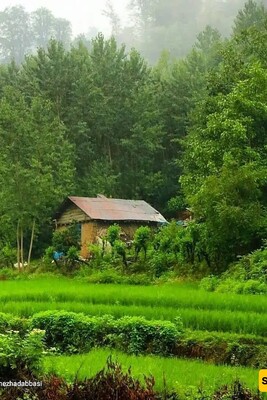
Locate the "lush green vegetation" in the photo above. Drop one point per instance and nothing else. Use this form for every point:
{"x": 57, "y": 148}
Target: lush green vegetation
{"x": 197, "y": 143}
{"x": 69, "y": 332}
{"x": 192, "y": 133}
{"x": 178, "y": 373}
{"x": 175, "y": 295}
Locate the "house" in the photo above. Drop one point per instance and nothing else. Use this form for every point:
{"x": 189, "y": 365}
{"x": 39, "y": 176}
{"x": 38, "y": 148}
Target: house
{"x": 95, "y": 215}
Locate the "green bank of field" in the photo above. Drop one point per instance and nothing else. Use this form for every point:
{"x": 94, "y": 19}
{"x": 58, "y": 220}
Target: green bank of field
{"x": 229, "y": 317}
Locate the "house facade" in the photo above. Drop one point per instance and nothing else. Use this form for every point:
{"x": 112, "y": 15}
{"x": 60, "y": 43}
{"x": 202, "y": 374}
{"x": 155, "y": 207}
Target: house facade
{"x": 95, "y": 215}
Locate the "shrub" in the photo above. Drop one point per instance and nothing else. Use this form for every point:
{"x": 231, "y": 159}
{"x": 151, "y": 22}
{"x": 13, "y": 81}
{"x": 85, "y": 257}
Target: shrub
{"x": 236, "y": 391}
{"x": 223, "y": 348}
{"x": 113, "y": 383}
{"x": 72, "y": 333}
{"x": 161, "y": 262}
{"x": 64, "y": 239}
{"x": 105, "y": 276}
{"x": 254, "y": 287}
{"x": 209, "y": 283}
{"x": 20, "y": 357}
{"x": 141, "y": 240}
{"x": 113, "y": 234}
{"x": 138, "y": 335}
{"x": 230, "y": 285}
{"x": 9, "y": 322}
{"x": 120, "y": 249}
{"x": 8, "y": 256}
{"x": 110, "y": 383}
{"x": 8, "y": 273}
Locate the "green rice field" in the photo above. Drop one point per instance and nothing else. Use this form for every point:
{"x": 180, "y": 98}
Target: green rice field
{"x": 198, "y": 309}
{"x": 178, "y": 374}
{"x": 227, "y": 314}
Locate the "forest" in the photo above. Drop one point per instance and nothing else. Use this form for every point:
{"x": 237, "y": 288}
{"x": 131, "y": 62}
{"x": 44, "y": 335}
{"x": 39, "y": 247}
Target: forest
{"x": 182, "y": 133}
{"x": 136, "y": 320}
{"x": 149, "y": 26}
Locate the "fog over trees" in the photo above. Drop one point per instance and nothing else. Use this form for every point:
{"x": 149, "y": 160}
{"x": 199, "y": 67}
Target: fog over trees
{"x": 153, "y": 26}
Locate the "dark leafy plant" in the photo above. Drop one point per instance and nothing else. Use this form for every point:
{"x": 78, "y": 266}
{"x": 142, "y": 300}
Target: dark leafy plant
{"x": 142, "y": 238}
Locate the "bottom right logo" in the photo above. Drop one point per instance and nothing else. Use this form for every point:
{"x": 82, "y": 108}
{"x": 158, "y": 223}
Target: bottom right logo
{"x": 263, "y": 380}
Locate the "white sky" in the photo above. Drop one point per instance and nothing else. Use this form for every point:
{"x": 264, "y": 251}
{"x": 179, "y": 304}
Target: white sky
{"x": 83, "y": 14}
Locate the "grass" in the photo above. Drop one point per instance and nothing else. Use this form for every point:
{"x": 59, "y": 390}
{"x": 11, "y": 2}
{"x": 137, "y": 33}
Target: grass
{"x": 210, "y": 320}
{"x": 168, "y": 295}
{"x": 227, "y": 314}
{"x": 179, "y": 374}
{"x": 199, "y": 310}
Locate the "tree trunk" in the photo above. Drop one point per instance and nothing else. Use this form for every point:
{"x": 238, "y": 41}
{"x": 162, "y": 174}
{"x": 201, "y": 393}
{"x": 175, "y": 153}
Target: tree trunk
{"x": 18, "y": 247}
{"x": 31, "y": 243}
{"x": 21, "y": 247}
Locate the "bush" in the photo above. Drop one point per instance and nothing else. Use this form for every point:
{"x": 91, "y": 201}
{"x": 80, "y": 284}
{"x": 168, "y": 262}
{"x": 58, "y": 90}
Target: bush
{"x": 64, "y": 239}
{"x": 254, "y": 287}
{"x": 138, "y": 335}
{"x": 73, "y": 333}
{"x": 142, "y": 238}
{"x": 8, "y": 256}
{"x": 209, "y": 283}
{"x": 20, "y": 357}
{"x": 223, "y": 348}
{"x": 112, "y": 383}
{"x": 113, "y": 234}
{"x": 9, "y": 322}
{"x": 160, "y": 263}
{"x": 236, "y": 391}
{"x": 8, "y": 273}
{"x": 106, "y": 276}
{"x": 232, "y": 286}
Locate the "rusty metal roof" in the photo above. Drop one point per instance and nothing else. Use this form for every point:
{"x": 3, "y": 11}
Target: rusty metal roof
{"x": 117, "y": 210}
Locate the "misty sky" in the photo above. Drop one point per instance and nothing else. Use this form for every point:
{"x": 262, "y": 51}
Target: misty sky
{"x": 83, "y": 14}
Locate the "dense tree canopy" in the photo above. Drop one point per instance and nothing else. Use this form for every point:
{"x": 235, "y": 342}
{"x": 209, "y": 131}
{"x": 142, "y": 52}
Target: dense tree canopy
{"x": 97, "y": 118}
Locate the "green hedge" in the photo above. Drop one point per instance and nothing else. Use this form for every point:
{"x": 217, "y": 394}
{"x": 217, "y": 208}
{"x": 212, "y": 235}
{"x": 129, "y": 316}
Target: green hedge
{"x": 138, "y": 335}
{"x": 71, "y": 333}
{"x": 223, "y": 348}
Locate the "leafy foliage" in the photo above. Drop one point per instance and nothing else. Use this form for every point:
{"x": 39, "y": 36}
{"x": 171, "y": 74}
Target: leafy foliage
{"x": 20, "y": 357}
{"x": 70, "y": 332}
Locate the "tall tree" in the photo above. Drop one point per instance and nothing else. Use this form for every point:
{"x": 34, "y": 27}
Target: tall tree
{"x": 15, "y": 34}
{"x": 113, "y": 17}
{"x": 42, "y": 26}
{"x": 62, "y": 31}
{"x": 36, "y": 163}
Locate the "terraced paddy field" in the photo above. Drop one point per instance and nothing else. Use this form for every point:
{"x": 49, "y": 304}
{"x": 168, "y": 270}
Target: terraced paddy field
{"x": 230, "y": 316}
{"x": 178, "y": 374}
{"x": 198, "y": 309}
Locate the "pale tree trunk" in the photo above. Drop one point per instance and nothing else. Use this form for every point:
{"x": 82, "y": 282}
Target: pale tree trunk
{"x": 21, "y": 247}
{"x": 31, "y": 243}
{"x": 18, "y": 247}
